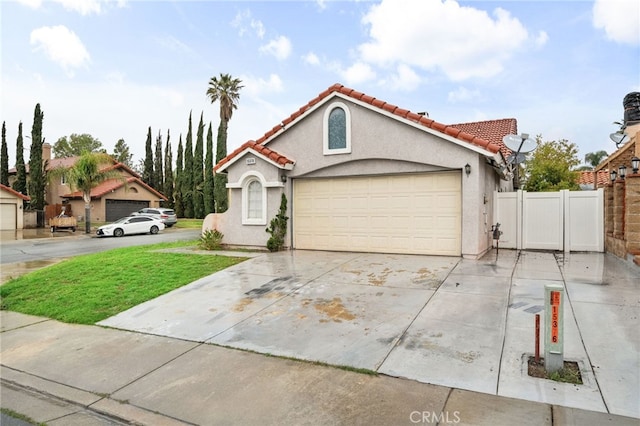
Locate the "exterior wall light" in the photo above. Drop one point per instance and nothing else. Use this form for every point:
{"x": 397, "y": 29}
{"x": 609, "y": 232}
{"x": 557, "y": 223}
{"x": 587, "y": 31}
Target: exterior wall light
{"x": 613, "y": 174}
{"x": 622, "y": 171}
{"x": 467, "y": 169}
{"x": 635, "y": 163}
{"x": 283, "y": 178}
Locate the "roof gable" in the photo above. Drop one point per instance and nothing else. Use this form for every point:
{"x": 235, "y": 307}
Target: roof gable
{"x": 113, "y": 184}
{"x": 14, "y": 192}
{"x": 384, "y": 106}
{"x": 259, "y": 150}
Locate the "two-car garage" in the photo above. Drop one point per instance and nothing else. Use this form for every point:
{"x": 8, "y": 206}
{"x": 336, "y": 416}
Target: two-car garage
{"x": 417, "y": 213}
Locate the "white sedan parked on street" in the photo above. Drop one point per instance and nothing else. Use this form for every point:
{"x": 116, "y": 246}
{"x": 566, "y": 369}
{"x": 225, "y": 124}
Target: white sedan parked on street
{"x": 131, "y": 225}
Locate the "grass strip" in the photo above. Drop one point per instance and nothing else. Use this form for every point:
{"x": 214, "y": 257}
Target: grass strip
{"x": 87, "y": 289}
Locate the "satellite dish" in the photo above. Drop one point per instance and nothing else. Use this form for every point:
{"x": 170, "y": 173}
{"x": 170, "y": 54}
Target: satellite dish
{"x": 619, "y": 138}
{"x": 519, "y": 144}
{"x": 516, "y": 158}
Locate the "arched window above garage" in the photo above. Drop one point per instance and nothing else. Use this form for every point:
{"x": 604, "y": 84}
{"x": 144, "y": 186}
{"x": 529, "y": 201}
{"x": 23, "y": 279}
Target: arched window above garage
{"x": 337, "y": 129}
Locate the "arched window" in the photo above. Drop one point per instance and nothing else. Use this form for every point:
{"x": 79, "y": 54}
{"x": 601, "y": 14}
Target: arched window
{"x": 337, "y": 129}
{"x": 254, "y": 200}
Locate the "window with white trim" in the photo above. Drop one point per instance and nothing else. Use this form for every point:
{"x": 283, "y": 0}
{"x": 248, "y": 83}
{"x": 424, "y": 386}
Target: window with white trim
{"x": 254, "y": 201}
{"x": 337, "y": 129}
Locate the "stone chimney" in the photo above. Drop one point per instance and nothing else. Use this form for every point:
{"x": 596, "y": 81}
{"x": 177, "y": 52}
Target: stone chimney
{"x": 46, "y": 151}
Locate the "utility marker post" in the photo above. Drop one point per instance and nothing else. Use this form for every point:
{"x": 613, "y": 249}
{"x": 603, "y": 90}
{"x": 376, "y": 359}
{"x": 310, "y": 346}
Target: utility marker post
{"x": 553, "y": 327}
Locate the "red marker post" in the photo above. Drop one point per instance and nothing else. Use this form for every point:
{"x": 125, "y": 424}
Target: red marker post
{"x": 554, "y": 327}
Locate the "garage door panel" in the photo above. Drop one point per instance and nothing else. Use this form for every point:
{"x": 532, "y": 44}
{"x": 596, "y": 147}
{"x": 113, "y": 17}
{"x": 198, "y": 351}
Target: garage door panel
{"x": 398, "y": 213}
{"x": 8, "y": 216}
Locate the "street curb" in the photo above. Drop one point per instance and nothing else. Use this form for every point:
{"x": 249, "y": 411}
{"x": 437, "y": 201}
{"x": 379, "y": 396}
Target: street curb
{"x": 118, "y": 411}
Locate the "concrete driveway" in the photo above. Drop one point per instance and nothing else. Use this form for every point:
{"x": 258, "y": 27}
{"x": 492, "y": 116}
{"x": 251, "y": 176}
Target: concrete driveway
{"x": 447, "y": 321}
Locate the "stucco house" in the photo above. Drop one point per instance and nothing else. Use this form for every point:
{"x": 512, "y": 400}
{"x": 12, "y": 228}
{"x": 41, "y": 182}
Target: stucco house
{"x": 11, "y": 202}
{"x": 111, "y": 200}
{"x": 361, "y": 174}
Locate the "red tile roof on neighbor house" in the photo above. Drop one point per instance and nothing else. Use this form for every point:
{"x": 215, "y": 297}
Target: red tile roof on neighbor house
{"x": 259, "y": 148}
{"x": 14, "y": 192}
{"x": 378, "y": 103}
{"x": 586, "y": 177}
{"x": 492, "y": 130}
{"x": 111, "y": 185}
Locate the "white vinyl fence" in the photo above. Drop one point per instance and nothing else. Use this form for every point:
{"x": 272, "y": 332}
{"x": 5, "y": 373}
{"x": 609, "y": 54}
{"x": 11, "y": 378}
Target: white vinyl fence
{"x": 564, "y": 220}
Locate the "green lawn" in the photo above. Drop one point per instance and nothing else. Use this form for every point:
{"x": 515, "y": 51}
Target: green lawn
{"x": 90, "y": 288}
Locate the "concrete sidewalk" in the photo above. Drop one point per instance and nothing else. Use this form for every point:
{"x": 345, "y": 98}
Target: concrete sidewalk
{"x": 65, "y": 374}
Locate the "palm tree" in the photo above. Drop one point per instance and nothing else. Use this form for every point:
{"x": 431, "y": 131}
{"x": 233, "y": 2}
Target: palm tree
{"x": 226, "y": 90}
{"x": 87, "y": 173}
{"x": 595, "y": 158}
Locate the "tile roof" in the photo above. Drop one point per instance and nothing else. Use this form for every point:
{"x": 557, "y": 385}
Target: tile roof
{"x": 111, "y": 185}
{"x": 586, "y": 177}
{"x": 259, "y": 148}
{"x": 14, "y": 192}
{"x": 378, "y": 103}
{"x": 460, "y": 134}
{"x": 492, "y": 131}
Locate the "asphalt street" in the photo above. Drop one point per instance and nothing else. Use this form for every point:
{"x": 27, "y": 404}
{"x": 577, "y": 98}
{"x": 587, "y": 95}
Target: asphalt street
{"x": 37, "y": 245}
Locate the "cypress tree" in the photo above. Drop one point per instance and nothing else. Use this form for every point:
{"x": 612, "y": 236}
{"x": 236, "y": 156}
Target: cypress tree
{"x": 37, "y": 179}
{"x": 208, "y": 175}
{"x": 158, "y": 179}
{"x": 147, "y": 173}
{"x": 187, "y": 176}
{"x": 198, "y": 177}
{"x": 168, "y": 174}
{"x": 20, "y": 184}
{"x": 179, "y": 207}
{"x": 4, "y": 158}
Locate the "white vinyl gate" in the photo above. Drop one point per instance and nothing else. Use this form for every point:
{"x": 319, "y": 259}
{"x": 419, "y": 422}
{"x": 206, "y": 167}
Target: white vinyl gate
{"x": 564, "y": 220}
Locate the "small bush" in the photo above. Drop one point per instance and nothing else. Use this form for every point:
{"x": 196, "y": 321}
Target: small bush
{"x": 278, "y": 227}
{"x": 211, "y": 240}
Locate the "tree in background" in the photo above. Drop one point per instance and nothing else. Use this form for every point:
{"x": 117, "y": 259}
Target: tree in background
{"x": 551, "y": 165}
{"x": 179, "y": 206}
{"x": 37, "y": 168}
{"x": 198, "y": 176}
{"x": 20, "y": 184}
{"x": 187, "y": 176}
{"x": 122, "y": 154}
{"x": 158, "y": 179}
{"x": 226, "y": 90}
{"x": 168, "y": 174}
{"x": 147, "y": 171}
{"x": 4, "y": 158}
{"x": 76, "y": 145}
{"x": 207, "y": 190}
{"x": 593, "y": 159}
{"x": 87, "y": 173}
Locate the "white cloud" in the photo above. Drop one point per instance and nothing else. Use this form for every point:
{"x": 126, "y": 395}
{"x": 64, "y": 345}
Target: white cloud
{"x": 542, "y": 39}
{"x": 279, "y": 47}
{"x": 258, "y": 86}
{"x": 462, "y": 94}
{"x": 462, "y": 42}
{"x": 311, "y": 59}
{"x": 83, "y": 7}
{"x": 406, "y": 79}
{"x": 358, "y": 73}
{"x": 244, "y": 22}
{"x": 619, "y": 19}
{"x": 62, "y": 46}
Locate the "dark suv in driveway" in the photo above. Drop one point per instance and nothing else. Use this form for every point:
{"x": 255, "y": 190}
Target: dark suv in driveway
{"x": 166, "y": 216}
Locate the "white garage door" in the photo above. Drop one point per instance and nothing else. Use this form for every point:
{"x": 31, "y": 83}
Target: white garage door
{"x": 414, "y": 213}
{"x": 8, "y": 217}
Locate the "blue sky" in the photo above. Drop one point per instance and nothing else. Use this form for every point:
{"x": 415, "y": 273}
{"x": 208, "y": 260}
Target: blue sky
{"x": 112, "y": 68}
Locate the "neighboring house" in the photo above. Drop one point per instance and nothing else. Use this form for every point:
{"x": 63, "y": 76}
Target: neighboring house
{"x": 111, "y": 200}
{"x": 11, "y": 217}
{"x": 587, "y": 178}
{"x": 361, "y": 174}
